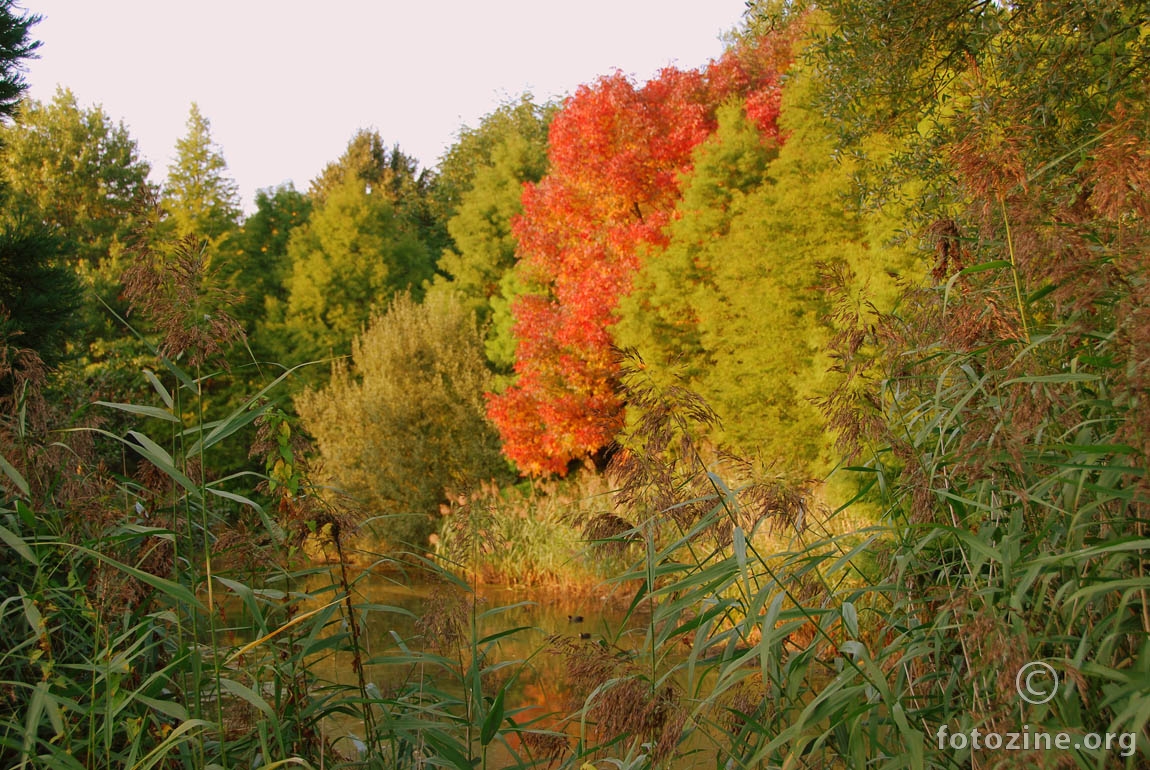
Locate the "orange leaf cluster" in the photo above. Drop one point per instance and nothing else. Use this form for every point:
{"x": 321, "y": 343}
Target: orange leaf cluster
{"x": 618, "y": 154}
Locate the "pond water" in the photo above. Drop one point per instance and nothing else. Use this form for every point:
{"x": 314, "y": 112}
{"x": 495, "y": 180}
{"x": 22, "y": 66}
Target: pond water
{"x": 540, "y": 689}
{"x": 542, "y": 613}
{"x": 541, "y": 694}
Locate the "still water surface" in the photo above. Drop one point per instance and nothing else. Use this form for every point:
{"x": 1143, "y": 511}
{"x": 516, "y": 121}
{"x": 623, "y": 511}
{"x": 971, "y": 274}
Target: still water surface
{"x": 541, "y": 687}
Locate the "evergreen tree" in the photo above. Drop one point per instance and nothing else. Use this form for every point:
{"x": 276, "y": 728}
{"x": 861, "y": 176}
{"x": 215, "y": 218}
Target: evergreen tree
{"x": 473, "y": 150}
{"x": 370, "y": 161}
{"x": 254, "y": 260}
{"x": 662, "y": 315}
{"x": 481, "y": 180}
{"x": 15, "y": 46}
{"x": 79, "y": 175}
{"x": 38, "y": 295}
{"x": 484, "y": 247}
{"x": 354, "y": 254}
{"x": 734, "y": 302}
{"x": 203, "y": 202}
{"x": 395, "y": 175}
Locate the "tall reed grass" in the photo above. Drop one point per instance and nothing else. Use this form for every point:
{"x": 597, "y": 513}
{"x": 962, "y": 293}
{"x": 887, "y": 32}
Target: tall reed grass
{"x": 156, "y": 620}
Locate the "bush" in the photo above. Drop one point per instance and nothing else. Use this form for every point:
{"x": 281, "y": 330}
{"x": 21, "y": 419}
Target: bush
{"x": 405, "y": 420}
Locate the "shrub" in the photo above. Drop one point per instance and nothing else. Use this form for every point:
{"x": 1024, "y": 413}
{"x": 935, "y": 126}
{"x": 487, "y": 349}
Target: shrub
{"x": 404, "y": 421}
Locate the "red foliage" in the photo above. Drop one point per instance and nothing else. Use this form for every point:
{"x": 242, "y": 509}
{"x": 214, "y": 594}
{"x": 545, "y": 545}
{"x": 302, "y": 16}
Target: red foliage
{"x": 617, "y": 155}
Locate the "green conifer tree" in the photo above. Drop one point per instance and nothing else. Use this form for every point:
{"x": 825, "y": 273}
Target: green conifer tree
{"x": 481, "y": 183}
{"x": 202, "y": 200}
{"x": 392, "y": 173}
{"x": 734, "y": 302}
{"x": 38, "y": 295}
{"x": 16, "y": 45}
{"x": 75, "y": 172}
{"x": 254, "y": 260}
{"x": 353, "y": 255}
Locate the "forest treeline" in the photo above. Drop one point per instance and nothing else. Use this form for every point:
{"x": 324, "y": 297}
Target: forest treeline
{"x": 696, "y": 219}
{"x": 881, "y": 260}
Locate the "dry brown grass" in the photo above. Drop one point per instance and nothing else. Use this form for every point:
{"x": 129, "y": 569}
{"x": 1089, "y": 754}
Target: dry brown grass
{"x": 614, "y": 695}
{"x": 174, "y": 290}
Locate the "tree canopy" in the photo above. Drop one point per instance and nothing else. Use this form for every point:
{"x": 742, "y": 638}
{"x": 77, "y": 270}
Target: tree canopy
{"x": 16, "y": 45}
{"x": 353, "y": 255}
{"x": 201, "y": 199}
{"x": 75, "y": 170}
{"x": 254, "y": 260}
{"x": 403, "y": 422}
{"x": 617, "y": 155}
{"x": 38, "y": 295}
{"x": 481, "y": 181}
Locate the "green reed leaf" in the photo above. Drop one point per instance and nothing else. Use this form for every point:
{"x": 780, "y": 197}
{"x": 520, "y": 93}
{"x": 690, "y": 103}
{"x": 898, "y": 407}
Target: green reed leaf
{"x": 142, "y": 410}
{"x": 159, "y": 388}
{"x": 17, "y": 544}
{"x": 493, "y": 719}
{"x": 14, "y": 476}
{"x": 850, "y": 619}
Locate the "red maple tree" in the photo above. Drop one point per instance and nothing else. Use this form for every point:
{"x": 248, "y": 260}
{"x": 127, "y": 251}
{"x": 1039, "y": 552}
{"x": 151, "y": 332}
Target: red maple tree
{"x": 617, "y": 156}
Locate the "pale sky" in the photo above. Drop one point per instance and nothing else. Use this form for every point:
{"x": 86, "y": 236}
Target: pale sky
{"x": 286, "y": 84}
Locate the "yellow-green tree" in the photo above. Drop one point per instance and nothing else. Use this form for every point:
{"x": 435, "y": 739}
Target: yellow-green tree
{"x": 481, "y": 182}
{"x": 201, "y": 199}
{"x": 353, "y": 256}
{"x": 736, "y": 302}
{"x": 72, "y": 171}
{"x": 393, "y": 173}
{"x": 404, "y": 421}
{"x": 75, "y": 170}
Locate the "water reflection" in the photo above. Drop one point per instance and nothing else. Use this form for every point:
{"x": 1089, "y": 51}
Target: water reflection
{"x": 400, "y": 617}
